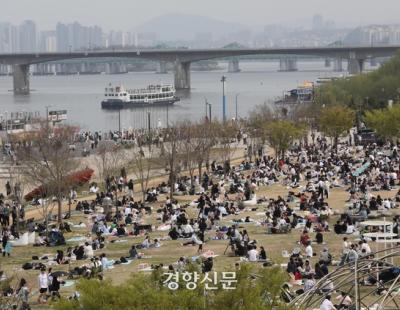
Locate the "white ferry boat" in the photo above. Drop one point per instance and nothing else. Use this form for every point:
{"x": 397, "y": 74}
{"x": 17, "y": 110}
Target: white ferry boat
{"x": 117, "y": 97}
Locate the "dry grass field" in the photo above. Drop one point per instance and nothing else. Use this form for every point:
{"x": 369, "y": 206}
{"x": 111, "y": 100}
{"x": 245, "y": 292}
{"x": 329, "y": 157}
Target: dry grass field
{"x": 170, "y": 251}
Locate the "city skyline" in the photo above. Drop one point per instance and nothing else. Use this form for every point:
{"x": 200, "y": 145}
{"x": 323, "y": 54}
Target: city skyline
{"x": 126, "y": 15}
{"x": 206, "y": 32}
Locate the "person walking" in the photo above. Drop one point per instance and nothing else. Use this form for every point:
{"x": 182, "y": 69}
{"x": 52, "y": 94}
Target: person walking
{"x": 43, "y": 286}
{"x": 6, "y": 243}
{"x": 23, "y": 295}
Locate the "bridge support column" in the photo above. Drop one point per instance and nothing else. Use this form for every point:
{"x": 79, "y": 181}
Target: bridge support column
{"x": 182, "y": 75}
{"x": 327, "y": 62}
{"x": 83, "y": 67}
{"x": 233, "y": 66}
{"x": 355, "y": 65}
{"x": 287, "y": 64}
{"x": 338, "y": 65}
{"x": 162, "y": 67}
{"x": 113, "y": 68}
{"x": 21, "y": 79}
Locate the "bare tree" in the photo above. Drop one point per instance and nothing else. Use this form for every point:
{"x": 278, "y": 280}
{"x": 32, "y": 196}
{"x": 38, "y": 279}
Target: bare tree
{"x": 227, "y": 141}
{"x": 47, "y": 160}
{"x": 17, "y": 183}
{"x": 142, "y": 167}
{"x": 206, "y": 135}
{"x": 190, "y": 147}
{"x": 109, "y": 158}
{"x": 171, "y": 154}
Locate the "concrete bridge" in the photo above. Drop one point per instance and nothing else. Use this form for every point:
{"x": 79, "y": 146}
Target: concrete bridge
{"x": 182, "y": 58}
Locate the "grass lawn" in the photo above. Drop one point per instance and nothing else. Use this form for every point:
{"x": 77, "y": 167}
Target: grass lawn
{"x": 170, "y": 251}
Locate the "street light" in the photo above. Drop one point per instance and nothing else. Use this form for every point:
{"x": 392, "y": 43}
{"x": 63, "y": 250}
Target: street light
{"x": 119, "y": 122}
{"x": 223, "y": 80}
{"x": 236, "y": 106}
{"x": 206, "y": 105}
{"x": 148, "y": 121}
{"x": 6, "y": 113}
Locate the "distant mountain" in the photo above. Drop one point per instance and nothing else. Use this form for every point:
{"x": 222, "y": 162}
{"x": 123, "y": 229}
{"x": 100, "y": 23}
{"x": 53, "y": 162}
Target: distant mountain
{"x": 172, "y": 27}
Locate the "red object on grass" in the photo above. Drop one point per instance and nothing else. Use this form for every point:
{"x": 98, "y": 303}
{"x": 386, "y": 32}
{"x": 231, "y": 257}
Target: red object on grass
{"x": 74, "y": 179}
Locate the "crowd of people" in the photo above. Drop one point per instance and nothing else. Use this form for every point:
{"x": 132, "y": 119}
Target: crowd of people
{"x": 309, "y": 173}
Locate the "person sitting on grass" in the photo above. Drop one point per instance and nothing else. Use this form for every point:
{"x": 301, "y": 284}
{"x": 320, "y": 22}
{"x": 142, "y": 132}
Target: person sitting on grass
{"x": 88, "y": 250}
{"x": 263, "y": 255}
{"x": 121, "y": 231}
{"x": 133, "y": 253}
{"x": 208, "y": 265}
{"x": 252, "y": 254}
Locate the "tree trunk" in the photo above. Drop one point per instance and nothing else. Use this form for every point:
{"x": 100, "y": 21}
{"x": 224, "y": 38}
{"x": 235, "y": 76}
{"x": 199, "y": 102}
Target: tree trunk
{"x": 59, "y": 209}
{"x": 171, "y": 184}
{"x": 199, "y": 167}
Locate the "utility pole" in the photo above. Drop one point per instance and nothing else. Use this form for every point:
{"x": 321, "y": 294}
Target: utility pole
{"x": 148, "y": 121}
{"x": 209, "y": 109}
{"x": 119, "y": 122}
{"x": 206, "y": 104}
{"x": 47, "y": 117}
{"x": 6, "y": 113}
{"x": 236, "y": 107}
{"x": 167, "y": 115}
{"x": 223, "y": 80}
{"x": 356, "y": 286}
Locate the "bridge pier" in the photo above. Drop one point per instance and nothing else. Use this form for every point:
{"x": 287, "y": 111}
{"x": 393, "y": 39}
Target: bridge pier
{"x": 162, "y": 67}
{"x": 233, "y": 66}
{"x": 182, "y": 74}
{"x": 373, "y": 62}
{"x": 21, "y": 79}
{"x": 287, "y": 64}
{"x": 338, "y": 65}
{"x": 355, "y": 65}
{"x": 113, "y": 68}
{"x": 327, "y": 62}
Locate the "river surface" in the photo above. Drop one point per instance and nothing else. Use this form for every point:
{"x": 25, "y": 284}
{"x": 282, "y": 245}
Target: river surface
{"x": 80, "y": 95}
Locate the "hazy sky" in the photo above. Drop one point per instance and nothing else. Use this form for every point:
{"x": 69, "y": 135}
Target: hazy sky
{"x": 126, "y": 14}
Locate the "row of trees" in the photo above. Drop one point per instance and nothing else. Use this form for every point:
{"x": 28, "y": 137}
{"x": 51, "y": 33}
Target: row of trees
{"x": 47, "y": 159}
{"x": 365, "y": 91}
{"x": 281, "y": 131}
{"x": 385, "y": 122}
{"x": 255, "y": 289}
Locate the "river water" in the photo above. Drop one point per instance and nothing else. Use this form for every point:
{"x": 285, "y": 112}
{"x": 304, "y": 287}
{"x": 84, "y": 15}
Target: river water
{"x": 80, "y": 95}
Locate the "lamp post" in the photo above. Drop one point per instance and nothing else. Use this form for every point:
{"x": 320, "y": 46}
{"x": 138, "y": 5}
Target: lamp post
{"x": 148, "y": 121}
{"x": 209, "y": 110}
{"x": 206, "y": 105}
{"x": 6, "y": 113}
{"x": 223, "y": 80}
{"x": 167, "y": 116}
{"x": 236, "y": 107}
{"x": 47, "y": 116}
{"x": 119, "y": 123}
